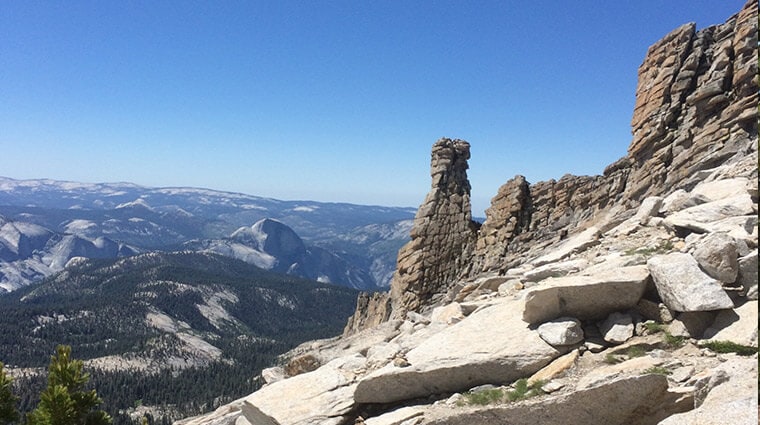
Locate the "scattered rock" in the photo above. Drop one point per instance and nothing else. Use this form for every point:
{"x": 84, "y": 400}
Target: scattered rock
{"x": 301, "y": 364}
{"x": 458, "y": 358}
{"x": 699, "y": 217}
{"x": 721, "y": 189}
{"x": 555, "y": 368}
{"x": 401, "y": 361}
{"x": 683, "y": 286}
{"x": 577, "y": 243}
{"x": 716, "y": 254}
{"x": 448, "y": 314}
{"x": 586, "y": 297}
{"x": 492, "y": 283}
{"x": 589, "y": 406}
{"x": 649, "y": 208}
{"x": 617, "y": 328}
{"x": 679, "y": 200}
{"x": 606, "y": 373}
{"x": 402, "y": 416}
{"x": 555, "y": 270}
{"x": 509, "y": 287}
{"x": 415, "y": 318}
{"x": 561, "y": 331}
{"x": 733, "y": 401}
{"x": 380, "y": 354}
{"x": 654, "y": 311}
{"x": 738, "y": 325}
{"x": 595, "y": 345}
{"x": 681, "y": 374}
{"x": 747, "y": 277}
{"x": 322, "y": 396}
{"x": 273, "y": 374}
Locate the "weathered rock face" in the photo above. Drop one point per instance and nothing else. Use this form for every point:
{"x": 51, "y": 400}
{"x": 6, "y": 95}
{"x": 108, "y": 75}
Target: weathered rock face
{"x": 696, "y": 103}
{"x": 443, "y": 234}
{"x": 371, "y": 310}
{"x": 696, "y": 108}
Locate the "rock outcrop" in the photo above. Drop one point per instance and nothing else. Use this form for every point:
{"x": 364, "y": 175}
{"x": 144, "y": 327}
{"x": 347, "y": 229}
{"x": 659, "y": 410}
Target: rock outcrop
{"x": 443, "y": 233}
{"x": 573, "y": 286}
{"x": 696, "y": 108}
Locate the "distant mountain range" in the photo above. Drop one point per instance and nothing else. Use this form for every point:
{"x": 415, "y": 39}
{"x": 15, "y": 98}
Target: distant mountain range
{"x": 46, "y": 223}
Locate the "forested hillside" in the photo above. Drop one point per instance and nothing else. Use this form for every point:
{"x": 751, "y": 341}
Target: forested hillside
{"x": 180, "y": 332}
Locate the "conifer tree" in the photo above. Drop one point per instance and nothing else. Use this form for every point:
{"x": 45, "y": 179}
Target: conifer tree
{"x": 65, "y": 400}
{"x": 8, "y": 412}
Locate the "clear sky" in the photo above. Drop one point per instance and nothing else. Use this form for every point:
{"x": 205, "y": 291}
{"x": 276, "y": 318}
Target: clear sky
{"x": 323, "y": 100}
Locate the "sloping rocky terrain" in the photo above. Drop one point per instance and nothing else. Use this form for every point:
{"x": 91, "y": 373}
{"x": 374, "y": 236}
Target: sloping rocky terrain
{"x": 625, "y": 298}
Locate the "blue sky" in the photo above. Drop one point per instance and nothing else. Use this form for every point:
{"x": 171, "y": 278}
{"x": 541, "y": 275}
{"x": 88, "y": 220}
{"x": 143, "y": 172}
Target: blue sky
{"x": 323, "y": 100}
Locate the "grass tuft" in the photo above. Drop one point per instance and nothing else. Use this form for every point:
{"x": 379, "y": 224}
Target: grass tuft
{"x": 612, "y": 359}
{"x": 673, "y": 341}
{"x": 659, "y": 370}
{"x": 485, "y": 397}
{"x": 663, "y": 247}
{"x": 523, "y": 390}
{"x": 654, "y": 327}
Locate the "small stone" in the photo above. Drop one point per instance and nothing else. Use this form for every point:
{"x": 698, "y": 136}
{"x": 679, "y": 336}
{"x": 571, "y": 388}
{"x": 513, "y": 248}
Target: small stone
{"x": 401, "y": 361}
{"x": 416, "y": 318}
{"x": 681, "y": 374}
{"x": 553, "y": 386}
{"x": 595, "y": 346}
{"x": 561, "y": 331}
{"x": 454, "y": 399}
{"x": 448, "y": 314}
{"x": 716, "y": 254}
{"x": 684, "y": 287}
{"x": 747, "y": 276}
{"x": 484, "y": 387}
{"x": 617, "y": 328}
{"x": 272, "y": 374}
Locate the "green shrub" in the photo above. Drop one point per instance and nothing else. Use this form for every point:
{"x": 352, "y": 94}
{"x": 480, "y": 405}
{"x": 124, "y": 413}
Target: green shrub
{"x": 654, "y": 327}
{"x": 659, "y": 370}
{"x": 673, "y": 341}
{"x": 523, "y": 390}
{"x": 65, "y": 401}
{"x": 730, "y": 347}
{"x": 612, "y": 359}
{"x": 635, "y": 351}
{"x": 663, "y": 247}
{"x": 482, "y": 398}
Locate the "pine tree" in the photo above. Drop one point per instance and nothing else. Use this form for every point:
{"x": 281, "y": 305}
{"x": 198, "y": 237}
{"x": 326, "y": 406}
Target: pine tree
{"x": 65, "y": 400}
{"x": 8, "y": 412}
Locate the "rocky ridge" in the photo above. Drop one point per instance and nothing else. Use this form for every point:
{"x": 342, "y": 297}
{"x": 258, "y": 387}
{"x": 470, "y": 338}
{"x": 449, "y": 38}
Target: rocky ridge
{"x": 626, "y": 298}
{"x": 696, "y": 108}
